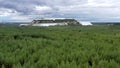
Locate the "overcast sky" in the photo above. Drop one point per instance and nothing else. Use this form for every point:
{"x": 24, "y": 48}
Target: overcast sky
{"x": 85, "y": 10}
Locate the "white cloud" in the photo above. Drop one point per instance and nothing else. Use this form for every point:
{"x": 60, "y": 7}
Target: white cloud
{"x": 21, "y": 18}
{"x": 93, "y": 9}
{"x": 43, "y": 9}
{"x": 85, "y": 9}
{"x": 7, "y": 12}
{"x": 103, "y": 3}
{"x": 13, "y": 15}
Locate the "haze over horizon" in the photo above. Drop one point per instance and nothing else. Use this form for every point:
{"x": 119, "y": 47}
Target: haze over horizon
{"x": 85, "y": 10}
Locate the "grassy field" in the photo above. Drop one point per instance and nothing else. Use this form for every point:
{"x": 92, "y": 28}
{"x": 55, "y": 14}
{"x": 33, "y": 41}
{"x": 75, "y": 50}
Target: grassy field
{"x": 60, "y": 47}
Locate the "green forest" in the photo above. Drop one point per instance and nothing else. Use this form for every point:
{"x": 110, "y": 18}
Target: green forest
{"x": 60, "y": 47}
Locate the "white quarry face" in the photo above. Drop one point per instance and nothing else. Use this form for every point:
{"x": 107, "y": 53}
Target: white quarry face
{"x": 49, "y": 24}
{"x": 85, "y": 23}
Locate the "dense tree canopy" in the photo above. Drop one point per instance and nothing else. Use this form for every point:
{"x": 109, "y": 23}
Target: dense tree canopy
{"x": 60, "y": 47}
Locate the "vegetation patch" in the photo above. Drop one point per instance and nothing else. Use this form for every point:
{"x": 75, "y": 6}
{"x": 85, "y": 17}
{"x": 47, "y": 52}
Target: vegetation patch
{"x": 60, "y": 47}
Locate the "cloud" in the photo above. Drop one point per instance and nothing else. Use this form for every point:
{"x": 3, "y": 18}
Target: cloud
{"x": 92, "y": 10}
{"x": 43, "y": 9}
{"x": 12, "y": 15}
{"x": 7, "y": 12}
{"x": 21, "y": 18}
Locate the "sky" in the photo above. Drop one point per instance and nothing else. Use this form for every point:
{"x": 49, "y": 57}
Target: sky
{"x": 83, "y": 10}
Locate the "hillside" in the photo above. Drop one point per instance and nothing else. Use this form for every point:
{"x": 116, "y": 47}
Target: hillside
{"x": 69, "y": 21}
